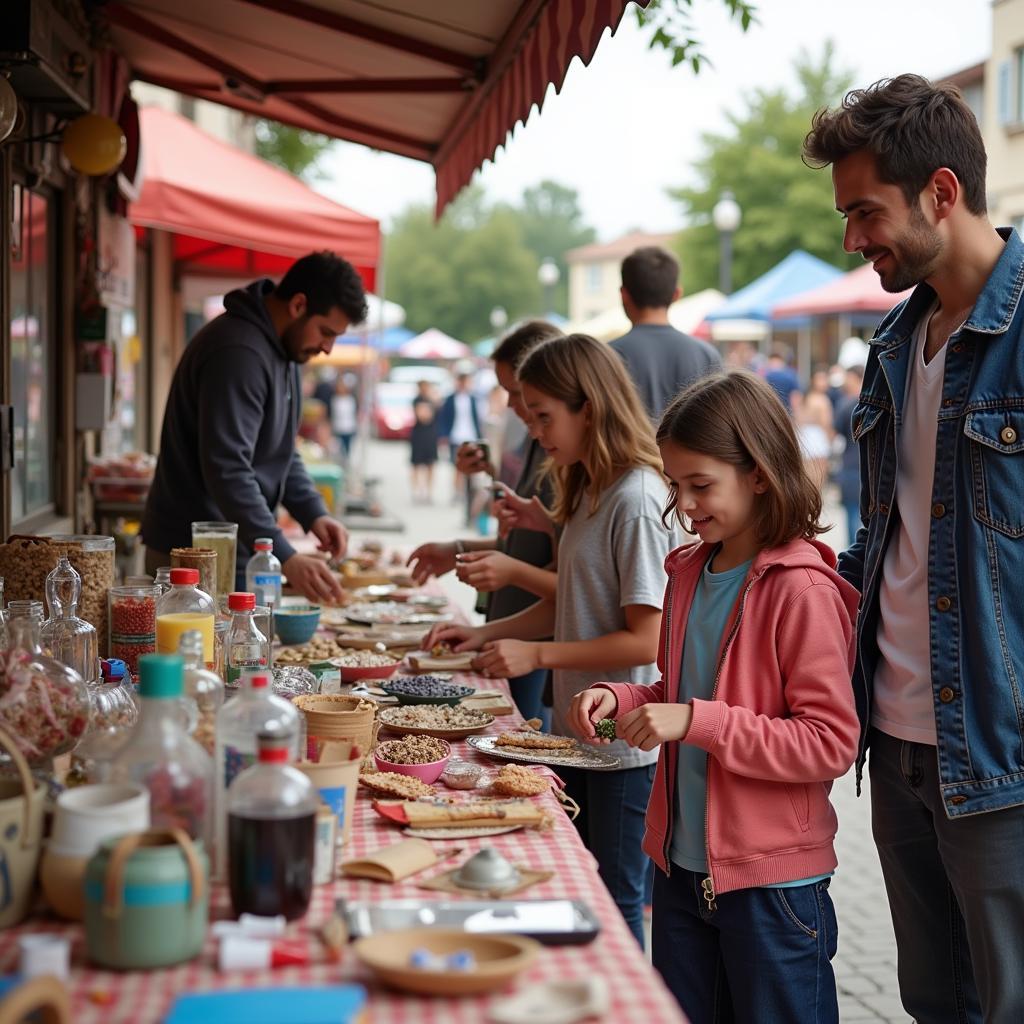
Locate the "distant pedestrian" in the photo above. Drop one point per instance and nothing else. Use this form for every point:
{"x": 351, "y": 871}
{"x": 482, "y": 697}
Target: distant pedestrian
{"x": 782, "y": 378}
{"x": 660, "y": 359}
{"x": 458, "y": 423}
{"x": 423, "y": 438}
{"x": 848, "y": 475}
{"x": 344, "y": 415}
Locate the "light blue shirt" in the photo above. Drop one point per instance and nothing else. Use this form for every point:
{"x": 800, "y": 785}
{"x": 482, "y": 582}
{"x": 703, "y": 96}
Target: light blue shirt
{"x": 713, "y": 602}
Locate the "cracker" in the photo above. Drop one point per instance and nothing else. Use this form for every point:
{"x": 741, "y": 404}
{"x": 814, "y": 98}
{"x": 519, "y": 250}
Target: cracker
{"x": 393, "y": 784}
{"x": 534, "y": 741}
{"x": 517, "y": 780}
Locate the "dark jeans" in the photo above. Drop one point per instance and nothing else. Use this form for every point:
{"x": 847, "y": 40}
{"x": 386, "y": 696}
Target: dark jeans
{"x": 956, "y": 892}
{"x": 527, "y": 691}
{"x": 613, "y": 806}
{"x": 762, "y": 957}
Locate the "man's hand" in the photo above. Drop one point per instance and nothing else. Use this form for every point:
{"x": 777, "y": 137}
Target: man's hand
{"x": 652, "y": 724}
{"x": 518, "y": 513}
{"x": 431, "y": 560}
{"x": 332, "y": 537}
{"x": 588, "y": 708}
{"x": 311, "y": 577}
{"x": 485, "y": 570}
{"x": 508, "y": 658}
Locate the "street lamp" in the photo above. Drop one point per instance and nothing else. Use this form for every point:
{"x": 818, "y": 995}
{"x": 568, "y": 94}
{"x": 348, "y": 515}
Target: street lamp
{"x": 548, "y": 275}
{"x": 726, "y": 217}
{"x": 499, "y": 318}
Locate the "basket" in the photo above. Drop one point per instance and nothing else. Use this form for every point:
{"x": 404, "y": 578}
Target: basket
{"x": 336, "y": 717}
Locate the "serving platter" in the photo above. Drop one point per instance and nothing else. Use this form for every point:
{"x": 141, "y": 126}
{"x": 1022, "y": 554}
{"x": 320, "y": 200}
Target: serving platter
{"x": 578, "y": 756}
{"x": 387, "y": 716}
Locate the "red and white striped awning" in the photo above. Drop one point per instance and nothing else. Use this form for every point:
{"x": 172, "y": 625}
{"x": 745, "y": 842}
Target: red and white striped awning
{"x": 443, "y": 81}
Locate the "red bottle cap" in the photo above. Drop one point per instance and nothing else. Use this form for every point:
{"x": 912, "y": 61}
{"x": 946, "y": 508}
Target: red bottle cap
{"x": 263, "y": 544}
{"x": 241, "y": 601}
{"x": 184, "y": 576}
{"x": 259, "y": 680}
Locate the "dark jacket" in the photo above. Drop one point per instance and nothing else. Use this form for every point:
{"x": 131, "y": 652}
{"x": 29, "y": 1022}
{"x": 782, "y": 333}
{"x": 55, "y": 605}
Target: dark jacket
{"x": 446, "y": 416}
{"x": 227, "y": 449}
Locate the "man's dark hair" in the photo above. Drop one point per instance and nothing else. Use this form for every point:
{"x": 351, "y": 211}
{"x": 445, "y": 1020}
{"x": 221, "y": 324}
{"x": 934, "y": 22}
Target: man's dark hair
{"x": 517, "y": 344}
{"x": 328, "y": 282}
{"x": 912, "y": 127}
{"x": 650, "y": 274}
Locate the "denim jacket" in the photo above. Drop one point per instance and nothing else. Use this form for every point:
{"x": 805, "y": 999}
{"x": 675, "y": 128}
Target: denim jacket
{"x": 976, "y": 545}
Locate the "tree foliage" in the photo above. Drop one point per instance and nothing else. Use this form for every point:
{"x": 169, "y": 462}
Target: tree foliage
{"x": 292, "y": 149}
{"x": 452, "y": 273}
{"x": 786, "y": 205}
{"x": 674, "y": 31}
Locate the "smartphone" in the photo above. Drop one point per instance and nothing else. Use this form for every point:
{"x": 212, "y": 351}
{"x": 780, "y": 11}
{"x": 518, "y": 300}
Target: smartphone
{"x": 498, "y": 492}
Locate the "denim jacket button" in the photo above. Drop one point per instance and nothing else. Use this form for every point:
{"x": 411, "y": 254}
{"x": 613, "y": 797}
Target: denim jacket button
{"x": 938, "y": 510}
{"x": 1008, "y": 435}
{"x": 947, "y": 695}
{"x": 943, "y": 604}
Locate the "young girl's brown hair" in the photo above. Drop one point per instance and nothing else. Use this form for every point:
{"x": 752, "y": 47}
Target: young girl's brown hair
{"x": 737, "y": 418}
{"x": 578, "y": 370}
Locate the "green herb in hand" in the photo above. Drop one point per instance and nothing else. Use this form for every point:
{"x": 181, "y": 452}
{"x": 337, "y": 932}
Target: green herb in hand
{"x": 605, "y": 729}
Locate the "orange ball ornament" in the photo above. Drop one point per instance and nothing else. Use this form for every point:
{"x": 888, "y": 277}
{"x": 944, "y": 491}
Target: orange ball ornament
{"x": 94, "y": 144}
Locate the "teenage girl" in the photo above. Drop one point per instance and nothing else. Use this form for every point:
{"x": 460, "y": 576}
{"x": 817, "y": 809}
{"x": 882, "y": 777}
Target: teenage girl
{"x": 754, "y": 713}
{"x": 606, "y": 615}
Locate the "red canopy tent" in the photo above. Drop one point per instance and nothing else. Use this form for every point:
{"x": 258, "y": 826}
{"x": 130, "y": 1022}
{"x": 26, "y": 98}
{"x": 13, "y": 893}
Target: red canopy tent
{"x": 859, "y": 291}
{"x": 233, "y": 214}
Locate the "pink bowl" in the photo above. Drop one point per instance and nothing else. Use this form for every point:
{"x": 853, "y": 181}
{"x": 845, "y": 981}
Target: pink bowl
{"x": 355, "y": 673}
{"x": 428, "y": 773}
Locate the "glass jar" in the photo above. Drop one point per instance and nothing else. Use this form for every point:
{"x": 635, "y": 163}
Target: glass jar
{"x": 182, "y": 608}
{"x": 132, "y": 616}
{"x": 43, "y": 703}
{"x": 204, "y": 560}
{"x": 163, "y": 579}
{"x": 115, "y": 712}
{"x": 203, "y": 687}
{"x": 64, "y": 635}
{"x": 223, "y": 538}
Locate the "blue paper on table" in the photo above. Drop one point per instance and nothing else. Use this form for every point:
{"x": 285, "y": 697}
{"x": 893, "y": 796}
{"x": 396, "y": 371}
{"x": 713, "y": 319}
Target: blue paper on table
{"x": 322, "y": 1004}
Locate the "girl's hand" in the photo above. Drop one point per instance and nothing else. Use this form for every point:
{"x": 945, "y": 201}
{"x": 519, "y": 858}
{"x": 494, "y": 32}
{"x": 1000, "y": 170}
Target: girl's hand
{"x": 507, "y": 659}
{"x": 485, "y": 570}
{"x": 652, "y": 724}
{"x": 590, "y": 707}
{"x": 431, "y": 560}
{"x": 469, "y": 459}
{"x": 461, "y": 638}
{"x": 518, "y": 513}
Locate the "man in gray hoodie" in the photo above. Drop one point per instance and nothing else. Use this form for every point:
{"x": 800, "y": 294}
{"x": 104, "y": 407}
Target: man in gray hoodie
{"x": 227, "y": 449}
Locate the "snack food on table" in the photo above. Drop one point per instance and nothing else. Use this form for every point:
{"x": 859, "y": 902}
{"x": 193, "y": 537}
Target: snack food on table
{"x": 441, "y": 649}
{"x": 323, "y": 649}
{"x": 534, "y": 741}
{"x": 517, "y": 780}
{"x": 413, "y": 750}
{"x": 439, "y": 813}
{"x": 436, "y": 716}
{"x": 405, "y": 787}
{"x": 353, "y": 658}
{"x": 605, "y": 729}
{"x": 426, "y": 686}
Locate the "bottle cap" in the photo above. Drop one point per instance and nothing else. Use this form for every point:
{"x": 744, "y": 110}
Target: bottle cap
{"x": 179, "y": 576}
{"x": 113, "y": 669}
{"x": 263, "y": 544}
{"x": 161, "y": 675}
{"x": 259, "y": 680}
{"x": 241, "y": 601}
{"x": 274, "y": 745}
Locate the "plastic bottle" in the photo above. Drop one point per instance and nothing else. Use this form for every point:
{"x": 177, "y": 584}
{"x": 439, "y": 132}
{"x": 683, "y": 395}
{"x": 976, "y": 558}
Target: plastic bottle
{"x": 204, "y": 687}
{"x": 247, "y": 649}
{"x": 254, "y": 710}
{"x": 263, "y": 574}
{"x": 182, "y": 608}
{"x": 68, "y": 638}
{"x": 271, "y": 833}
{"x": 162, "y": 756}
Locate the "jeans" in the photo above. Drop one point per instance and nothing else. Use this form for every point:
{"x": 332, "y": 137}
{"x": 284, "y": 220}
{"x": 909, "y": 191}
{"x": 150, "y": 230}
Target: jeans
{"x": 956, "y": 892}
{"x": 763, "y": 956}
{"x": 613, "y": 806}
{"x": 526, "y": 692}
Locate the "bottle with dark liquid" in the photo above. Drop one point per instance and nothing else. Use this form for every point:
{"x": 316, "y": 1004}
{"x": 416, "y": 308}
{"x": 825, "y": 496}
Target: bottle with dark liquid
{"x": 271, "y": 833}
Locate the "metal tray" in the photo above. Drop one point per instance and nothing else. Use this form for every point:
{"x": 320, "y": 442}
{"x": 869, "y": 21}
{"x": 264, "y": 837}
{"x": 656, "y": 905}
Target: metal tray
{"x": 580, "y": 756}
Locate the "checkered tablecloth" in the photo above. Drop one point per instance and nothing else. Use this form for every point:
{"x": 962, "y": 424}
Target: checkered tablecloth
{"x": 637, "y": 992}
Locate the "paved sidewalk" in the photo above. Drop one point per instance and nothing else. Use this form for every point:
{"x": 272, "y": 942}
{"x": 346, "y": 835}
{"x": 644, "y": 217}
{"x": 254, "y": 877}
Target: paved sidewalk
{"x": 866, "y": 962}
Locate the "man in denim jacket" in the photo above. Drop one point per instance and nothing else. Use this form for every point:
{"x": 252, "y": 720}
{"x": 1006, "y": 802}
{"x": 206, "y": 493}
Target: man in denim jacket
{"x": 940, "y": 559}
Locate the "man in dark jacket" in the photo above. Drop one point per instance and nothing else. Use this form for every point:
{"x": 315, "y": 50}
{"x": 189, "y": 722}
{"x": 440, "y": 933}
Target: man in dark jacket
{"x": 227, "y": 449}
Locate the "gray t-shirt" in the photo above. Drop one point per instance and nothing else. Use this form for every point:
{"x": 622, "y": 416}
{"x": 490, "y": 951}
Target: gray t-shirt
{"x": 662, "y": 361}
{"x": 607, "y": 561}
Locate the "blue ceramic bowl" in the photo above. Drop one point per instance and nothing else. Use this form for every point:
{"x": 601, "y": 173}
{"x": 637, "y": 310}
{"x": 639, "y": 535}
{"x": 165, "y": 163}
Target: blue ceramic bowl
{"x": 296, "y": 623}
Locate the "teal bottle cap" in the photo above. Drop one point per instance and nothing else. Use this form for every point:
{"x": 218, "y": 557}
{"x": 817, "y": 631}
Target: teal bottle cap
{"x": 161, "y": 675}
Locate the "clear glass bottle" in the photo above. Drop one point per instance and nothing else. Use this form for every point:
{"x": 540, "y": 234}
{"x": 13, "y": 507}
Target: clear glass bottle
{"x": 254, "y": 710}
{"x": 161, "y": 755}
{"x": 163, "y": 578}
{"x": 263, "y": 574}
{"x": 68, "y": 638}
{"x": 247, "y": 649}
{"x": 115, "y": 713}
{"x": 271, "y": 833}
{"x": 182, "y": 608}
{"x": 43, "y": 703}
{"x": 202, "y": 686}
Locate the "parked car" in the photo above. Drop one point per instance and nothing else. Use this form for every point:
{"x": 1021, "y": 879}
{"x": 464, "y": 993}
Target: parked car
{"x": 392, "y": 410}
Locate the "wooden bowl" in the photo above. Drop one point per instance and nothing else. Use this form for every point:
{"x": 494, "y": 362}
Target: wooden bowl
{"x": 499, "y": 958}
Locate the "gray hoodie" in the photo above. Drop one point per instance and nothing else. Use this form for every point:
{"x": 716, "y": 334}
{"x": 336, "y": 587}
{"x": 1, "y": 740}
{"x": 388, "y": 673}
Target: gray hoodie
{"x": 227, "y": 449}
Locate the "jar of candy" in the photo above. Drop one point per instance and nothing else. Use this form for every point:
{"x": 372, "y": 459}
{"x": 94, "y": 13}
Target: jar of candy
{"x": 131, "y": 613}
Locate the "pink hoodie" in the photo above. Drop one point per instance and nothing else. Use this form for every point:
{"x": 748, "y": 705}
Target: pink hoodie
{"x": 781, "y": 724}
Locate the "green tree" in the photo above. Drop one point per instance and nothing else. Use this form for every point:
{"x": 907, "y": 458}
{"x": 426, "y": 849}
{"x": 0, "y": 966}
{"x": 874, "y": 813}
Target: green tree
{"x": 674, "y": 31}
{"x": 451, "y": 273}
{"x": 786, "y": 205}
{"x": 292, "y": 149}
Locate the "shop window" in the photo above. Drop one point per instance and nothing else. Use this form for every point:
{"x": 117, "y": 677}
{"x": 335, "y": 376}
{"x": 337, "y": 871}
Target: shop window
{"x": 595, "y": 277}
{"x": 33, "y": 355}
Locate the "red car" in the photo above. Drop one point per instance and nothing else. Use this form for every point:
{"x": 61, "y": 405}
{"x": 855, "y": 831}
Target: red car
{"x": 392, "y": 410}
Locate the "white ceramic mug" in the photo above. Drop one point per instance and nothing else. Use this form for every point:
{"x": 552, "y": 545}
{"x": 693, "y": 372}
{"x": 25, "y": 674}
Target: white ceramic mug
{"x": 86, "y": 815}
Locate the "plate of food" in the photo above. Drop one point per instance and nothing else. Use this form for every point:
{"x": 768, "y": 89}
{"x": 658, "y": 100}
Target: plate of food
{"x": 440, "y": 720}
{"x": 391, "y": 613}
{"x": 357, "y": 665}
{"x": 543, "y": 748}
{"x": 426, "y": 690}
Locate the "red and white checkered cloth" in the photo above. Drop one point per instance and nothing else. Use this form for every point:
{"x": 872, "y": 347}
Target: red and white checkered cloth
{"x": 637, "y": 992}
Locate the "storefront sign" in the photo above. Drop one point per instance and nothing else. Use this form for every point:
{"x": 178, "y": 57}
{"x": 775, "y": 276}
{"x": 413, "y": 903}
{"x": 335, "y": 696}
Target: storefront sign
{"x": 115, "y": 270}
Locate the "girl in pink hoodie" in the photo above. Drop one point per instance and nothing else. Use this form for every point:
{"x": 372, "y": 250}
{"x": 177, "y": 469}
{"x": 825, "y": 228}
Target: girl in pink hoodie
{"x": 754, "y": 713}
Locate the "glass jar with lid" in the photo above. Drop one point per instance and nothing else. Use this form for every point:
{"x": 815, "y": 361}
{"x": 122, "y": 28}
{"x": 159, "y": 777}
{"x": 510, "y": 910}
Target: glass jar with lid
{"x": 68, "y": 638}
{"x": 182, "y": 608}
{"x": 43, "y": 703}
{"x": 132, "y": 616}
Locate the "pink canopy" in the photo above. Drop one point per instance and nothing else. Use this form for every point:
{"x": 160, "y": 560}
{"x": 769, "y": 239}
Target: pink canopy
{"x": 434, "y": 344}
{"x": 859, "y": 291}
